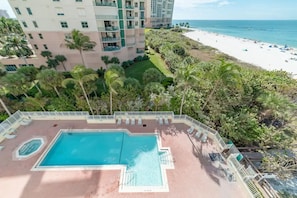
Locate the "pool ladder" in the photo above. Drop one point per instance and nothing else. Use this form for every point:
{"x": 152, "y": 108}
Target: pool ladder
{"x": 130, "y": 178}
{"x": 165, "y": 158}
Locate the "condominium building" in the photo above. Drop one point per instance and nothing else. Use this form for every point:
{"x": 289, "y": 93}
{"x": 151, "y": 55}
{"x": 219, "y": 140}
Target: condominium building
{"x": 3, "y": 13}
{"x": 158, "y": 13}
{"x": 117, "y": 26}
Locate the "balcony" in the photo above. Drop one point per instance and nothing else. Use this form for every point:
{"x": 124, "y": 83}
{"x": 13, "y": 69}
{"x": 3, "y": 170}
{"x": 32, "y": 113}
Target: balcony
{"x": 141, "y": 8}
{"x": 107, "y": 17}
{"x": 110, "y": 39}
{"x": 140, "y": 51}
{"x": 129, "y": 7}
{"x": 111, "y": 48}
{"x": 142, "y": 26}
{"x": 130, "y": 44}
{"x": 110, "y": 4}
{"x": 108, "y": 29}
{"x": 130, "y": 26}
{"x": 130, "y": 17}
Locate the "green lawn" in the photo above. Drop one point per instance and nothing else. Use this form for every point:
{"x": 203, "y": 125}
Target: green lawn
{"x": 155, "y": 61}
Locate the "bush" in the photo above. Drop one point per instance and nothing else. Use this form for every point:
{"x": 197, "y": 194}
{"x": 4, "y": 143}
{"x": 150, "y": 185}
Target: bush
{"x": 167, "y": 81}
{"x": 145, "y": 57}
{"x": 114, "y": 60}
{"x": 138, "y": 59}
{"x": 100, "y": 72}
{"x": 125, "y": 64}
{"x": 131, "y": 62}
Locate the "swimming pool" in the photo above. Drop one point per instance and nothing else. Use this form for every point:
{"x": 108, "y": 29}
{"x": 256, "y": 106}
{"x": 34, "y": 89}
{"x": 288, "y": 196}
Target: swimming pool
{"x": 140, "y": 155}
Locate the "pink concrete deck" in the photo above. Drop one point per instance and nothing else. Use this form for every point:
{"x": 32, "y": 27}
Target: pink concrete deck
{"x": 194, "y": 174}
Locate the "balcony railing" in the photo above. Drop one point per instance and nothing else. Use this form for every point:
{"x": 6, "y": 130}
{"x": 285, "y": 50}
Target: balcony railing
{"x": 141, "y": 8}
{"x": 130, "y": 17}
{"x": 130, "y": 26}
{"x": 111, "y": 48}
{"x": 107, "y": 29}
{"x": 111, "y": 4}
{"x": 140, "y": 51}
{"x": 107, "y": 17}
{"x": 129, "y": 7}
{"x": 110, "y": 39}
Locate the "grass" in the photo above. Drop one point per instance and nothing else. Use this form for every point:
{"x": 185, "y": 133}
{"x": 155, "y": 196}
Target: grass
{"x": 155, "y": 61}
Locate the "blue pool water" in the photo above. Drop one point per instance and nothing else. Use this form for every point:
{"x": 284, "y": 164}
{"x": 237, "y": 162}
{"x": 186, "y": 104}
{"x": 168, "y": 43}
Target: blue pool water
{"x": 138, "y": 152}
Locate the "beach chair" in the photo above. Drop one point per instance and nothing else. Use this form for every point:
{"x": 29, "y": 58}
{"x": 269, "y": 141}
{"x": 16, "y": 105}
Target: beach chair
{"x": 127, "y": 121}
{"x": 198, "y": 134}
{"x": 204, "y": 138}
{"x": 191, "y": 129}
{"x": 9, "y": 136}
{"x": 132, "y": 121}
{"x": 139, "y": 121}
{"x": 160, "y": 120}
{"x": 166, "y": 120}
{"x": 119, "y": 121}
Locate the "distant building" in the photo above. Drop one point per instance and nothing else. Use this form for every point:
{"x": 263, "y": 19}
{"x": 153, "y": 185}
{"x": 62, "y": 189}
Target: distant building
{"x": 117, "y": 26}
{"x": 3, "y": 13}
{"x": 158, "y": 13}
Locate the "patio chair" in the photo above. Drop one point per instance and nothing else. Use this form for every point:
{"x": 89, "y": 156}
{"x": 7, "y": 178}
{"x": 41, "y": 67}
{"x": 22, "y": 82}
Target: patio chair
{"x": 132, "y": 121}
{"x": 9, "y": 136}
{"x": 127, "y": 121}
{"x": 1, "y": 147}
{"x": 139, "y": 121}
{"x": 204, "y": 138}
{"x": 160, "y": 120}
{"x": 198, "y": 134}
{"x": 166, "y": 120}
{"x": 191, "y": 129}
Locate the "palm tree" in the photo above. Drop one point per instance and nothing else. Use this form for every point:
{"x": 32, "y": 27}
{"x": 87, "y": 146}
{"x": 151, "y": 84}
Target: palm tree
{"x": 50, "y": 80}
{"x": 61, "y": 59}
{"x": 16, "y": 84}
{"x": 225, "y": 74}
{"x": 112, "y": 79}
{"x": 46, "y": 54}
{"x": 186, "y": 76}
{"x": 2, "y": 92}
{"x": 80, "y": 76}
{"x": 80, "y": 42}
{"x": 16, "y": 45}
{"x": 30, "y": 73}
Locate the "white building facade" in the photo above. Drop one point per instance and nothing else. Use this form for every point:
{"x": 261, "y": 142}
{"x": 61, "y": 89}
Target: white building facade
{"x": 117, "y": 26}
{"x": 159, "y": 13}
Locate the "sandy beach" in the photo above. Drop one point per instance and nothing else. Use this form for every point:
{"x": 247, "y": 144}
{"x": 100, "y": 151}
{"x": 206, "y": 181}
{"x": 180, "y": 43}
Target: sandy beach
{"x": 265, "y": 55}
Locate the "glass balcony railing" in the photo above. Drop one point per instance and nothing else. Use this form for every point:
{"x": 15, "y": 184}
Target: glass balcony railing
{"x": 130, "y": 26}
{"x": 110, "y": 39}
{"x": 129, "y": 7}
{"x": 107, "y": 17}
{"x": 130, "y": 17}
{"x": 111, "y": 48}
{"x": 139, "y": 51}
{"x": 111, "y": 4}
{"x": 141, "y": 8}
{"x": 107, "y": 29}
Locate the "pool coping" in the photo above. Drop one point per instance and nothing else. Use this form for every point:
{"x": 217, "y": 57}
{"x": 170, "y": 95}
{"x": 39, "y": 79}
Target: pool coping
{"x": 122, "y": 187}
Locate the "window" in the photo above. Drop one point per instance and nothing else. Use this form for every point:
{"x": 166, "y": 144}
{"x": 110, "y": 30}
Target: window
{"x": 10, "y": 67}
{"x": 136, "y": 5}
{"x": 35, "y": 24}
{"x": 35, "y": 46}
{"x": 78, "y": 0}
{"x": 30, "y": 36}
{"x": 17, "y": 10}
{"x": 45, "y": 46}
{"x": 24, "y": 24}
{"x": 136, "y": 14}
{"x": 40, "y": 36}
{"x": 84, "y": 24}
{"x": 59, "y": 11}
{"x": 64, "y": 24}
{"x": 29, "y": 11}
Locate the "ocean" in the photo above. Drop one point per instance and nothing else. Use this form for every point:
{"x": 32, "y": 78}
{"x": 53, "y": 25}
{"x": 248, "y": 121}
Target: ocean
{"x": 280, "y": 32}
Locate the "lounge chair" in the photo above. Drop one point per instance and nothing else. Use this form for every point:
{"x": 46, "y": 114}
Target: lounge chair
{"x": 166, "y": 120}
{"x": 191, "y": 129}
{"x": 9, "y": 136}
{"x": 1, "y": 147}
{"x": 132, "y": 121}
{"x": 160, "y": 120}
{"x": 204, "y": 138}
{"x": 119, "y": 121}
{"x": 139, "y": 121}
{"x": 198, "y": 134}
{"x": 127, "y": 121}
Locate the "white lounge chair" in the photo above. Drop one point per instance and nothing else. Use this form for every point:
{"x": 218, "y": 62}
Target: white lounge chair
{"x": 132, "y": 121}
{"x": 9, "y": 136}
{"x": 204, "y": 138}
{"x": 166, "y": 120}
{"x": 127, "y": 121}
{"x": 139, "y": 121}
{"x": 160, "y": 120}
{"x": 1, "y": 147}
{"x": 191, "y": 129}
{"x": 198, "y": 134}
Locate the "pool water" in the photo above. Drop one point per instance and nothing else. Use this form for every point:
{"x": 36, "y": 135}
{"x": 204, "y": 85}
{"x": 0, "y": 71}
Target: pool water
{"x": 139, "y": 153}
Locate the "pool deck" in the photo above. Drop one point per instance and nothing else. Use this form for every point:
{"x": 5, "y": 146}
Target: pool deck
{"x": 195, "y": 175}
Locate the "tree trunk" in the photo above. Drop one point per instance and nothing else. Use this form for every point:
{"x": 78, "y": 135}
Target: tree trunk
{"x": 182, "y": 102}
{"x": 210, "y": 95}
{"x": 85, "y": 94}
{"x": 64, "y": 66}
{"x": 39, "y": 90}
{"x": 26, "y": 95}
{"x": 57, "y": 92}
{"x": 5, "y": 107}
{"x": 110, "y": 101}
{"x": 82, "y": 58}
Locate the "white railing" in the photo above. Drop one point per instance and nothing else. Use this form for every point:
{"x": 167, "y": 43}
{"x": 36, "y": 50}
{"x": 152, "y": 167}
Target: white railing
{"x": 143, "y": 113}
{"x": 10, "y": 123}
{"x": 57, "y": 115}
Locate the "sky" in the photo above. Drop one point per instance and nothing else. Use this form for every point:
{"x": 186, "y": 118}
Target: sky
{"x": 224, "y": 9}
